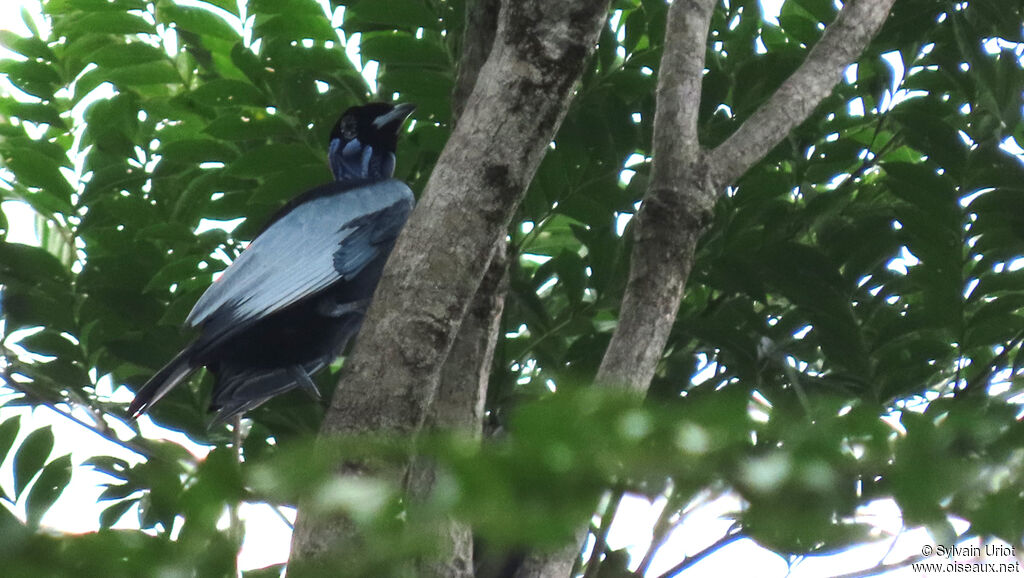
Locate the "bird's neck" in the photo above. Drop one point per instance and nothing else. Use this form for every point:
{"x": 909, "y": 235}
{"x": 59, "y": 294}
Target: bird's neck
{"x": 358, "y": 162}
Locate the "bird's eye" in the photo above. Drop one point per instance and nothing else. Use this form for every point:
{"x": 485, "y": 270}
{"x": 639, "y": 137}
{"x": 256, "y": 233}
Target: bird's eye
{"x": 348, "y": 129}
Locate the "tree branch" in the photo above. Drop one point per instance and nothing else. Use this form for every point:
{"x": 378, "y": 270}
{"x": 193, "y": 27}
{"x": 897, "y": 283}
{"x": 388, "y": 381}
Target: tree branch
{"x": 675, "y": 210}
{"x": 481, "y": 25}
{"x": 601, "y": 536}
{"x": 99, "y": 428}
{"x": 882, "y": 568}
{"x": 673, "y": 214}
{"x": 459, "y": 403}
{"x": 440, "y": 258}
{"x": 679, "y": 83}
{"x": 840, "y": 45}
{"x": 734, "y": 533}
{"x": 685, "y": 180}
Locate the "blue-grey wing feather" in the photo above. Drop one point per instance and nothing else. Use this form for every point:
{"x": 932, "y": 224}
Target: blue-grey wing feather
{"x": 326, "y": 239}
{"x": 367, "y": 235}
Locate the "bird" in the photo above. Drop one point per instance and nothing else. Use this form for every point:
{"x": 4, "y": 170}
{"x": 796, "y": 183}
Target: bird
{"x": 291, "y": 301}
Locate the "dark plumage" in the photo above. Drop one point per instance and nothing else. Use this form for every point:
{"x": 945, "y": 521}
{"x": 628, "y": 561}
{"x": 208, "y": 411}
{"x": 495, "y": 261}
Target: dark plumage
{"x": 291, "y": 301}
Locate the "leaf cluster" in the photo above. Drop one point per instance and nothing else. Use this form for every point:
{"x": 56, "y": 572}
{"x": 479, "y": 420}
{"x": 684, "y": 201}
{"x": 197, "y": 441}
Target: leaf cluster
{"x": 851, "y": 329}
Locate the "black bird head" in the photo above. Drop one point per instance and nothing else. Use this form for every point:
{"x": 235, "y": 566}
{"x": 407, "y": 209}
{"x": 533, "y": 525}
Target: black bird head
{"x": 363, "y": 141}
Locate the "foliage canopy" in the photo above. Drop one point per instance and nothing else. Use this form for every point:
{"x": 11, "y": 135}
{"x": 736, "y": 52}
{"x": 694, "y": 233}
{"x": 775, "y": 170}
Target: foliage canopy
{"x": 851, "y": 283}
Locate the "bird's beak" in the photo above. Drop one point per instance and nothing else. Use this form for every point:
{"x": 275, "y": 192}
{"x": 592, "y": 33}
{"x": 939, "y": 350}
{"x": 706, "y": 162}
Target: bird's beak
{"x": 394, "y": 118}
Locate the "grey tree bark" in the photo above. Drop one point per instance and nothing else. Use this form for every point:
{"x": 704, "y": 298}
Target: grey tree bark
{"x": 686, "y": 180}
{"x": 459, "y": 403}
{"x": 459, "y": 406}
{"x": 520, "y": 97}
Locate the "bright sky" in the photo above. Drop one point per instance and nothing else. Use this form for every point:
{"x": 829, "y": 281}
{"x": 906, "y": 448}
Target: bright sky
{"x": 267, "y": 537}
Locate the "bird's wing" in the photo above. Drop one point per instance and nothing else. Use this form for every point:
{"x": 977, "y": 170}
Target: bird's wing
{"x": 327, "y": 237}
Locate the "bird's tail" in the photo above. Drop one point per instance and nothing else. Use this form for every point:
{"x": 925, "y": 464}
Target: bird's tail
{"x": 160, "y": 384}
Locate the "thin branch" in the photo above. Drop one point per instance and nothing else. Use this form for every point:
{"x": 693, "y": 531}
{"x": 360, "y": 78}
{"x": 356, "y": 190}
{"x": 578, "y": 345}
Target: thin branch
{"x": 550, "y": 212}
{"x": 997, "y": 362}
{"x": 104, "y": 432}
{"x": 841, "y": 44}
{"x": 601, "y": 536}
{"x": 662, "y": 529}
{"x": 552, "y": 331}
{"x": 100, "y": 427}
{"x": 734, "y": 533}
{"x": 280, "y": 514}
{"x": 671, "y": 518}
{"x": 236, "y": 530}
{"x": 880, "y": 568}
{"x": 96, "y": 414}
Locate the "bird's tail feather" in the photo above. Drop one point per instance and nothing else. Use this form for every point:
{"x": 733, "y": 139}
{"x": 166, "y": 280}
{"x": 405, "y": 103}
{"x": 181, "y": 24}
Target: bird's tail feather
{"x": 161, "y": 383}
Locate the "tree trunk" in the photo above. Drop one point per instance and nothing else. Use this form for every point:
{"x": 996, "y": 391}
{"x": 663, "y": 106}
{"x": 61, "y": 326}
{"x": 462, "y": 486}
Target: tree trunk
{"x": 520, "y": 98}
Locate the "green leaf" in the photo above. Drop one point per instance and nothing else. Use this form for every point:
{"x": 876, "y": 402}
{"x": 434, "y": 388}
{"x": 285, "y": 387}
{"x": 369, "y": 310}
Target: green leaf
{"x": 225, "y": 92}
{"x": 113, "y": 513}
{"x": 282, "y": 186}
{"x": 416, "y": 83}
{"x": 31, "y": 47}
{"x": 107, "y": 22}
{"x": 47, "y": 488}
{"x": 931, "y": 192}
{"x": 198, "y": 21}
{"x": 636, "y": 28}
{"x": 399, "y": 13}
{"x": 926, "y": 129}
{"x": 273, "y": 158}
{"x": 32, "y": 307}
{"x": 53, "y": 344}
{"x": 155, "y": 72}
{"x": 809, "y": 279}
{"x": 8, "y": 433}
{"x": 227, "y": 5}
{"x": 112, "y": 125}
{"x": 303, "y": 7}
{"x": 197, "y": 150}
{"x": 61, "y": 6}
{"x": 326, "y": 63}
{"x": 35, "y": 169}
{"x": 251, "y": 65}
{"x": 272, "y": 571}
{"x": 117, "y": 492}
{"x": 296, "y": 27}
{"x": 29, "y": 21}
{"x": 109, "y": 465}
{"x": 1000, "y": 515}
{"x": 799, "y": 23}
{"x": 821, "y": 10}
{"x": 30, "y": 264}
{"x": 32, "y": 111}
{"x": 30, "y": 457}
{"x": 259, "y": 126}
{"x": 404, "y": 49}
{"x": 174, "y": 272}
{"x": 571, "y": 274}
{"x": 121, "y": 55}
{"x": 35, "y": 78}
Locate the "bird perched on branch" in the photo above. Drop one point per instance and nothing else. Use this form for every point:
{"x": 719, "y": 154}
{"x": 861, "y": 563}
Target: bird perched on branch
{"x": 287, "y": 306}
